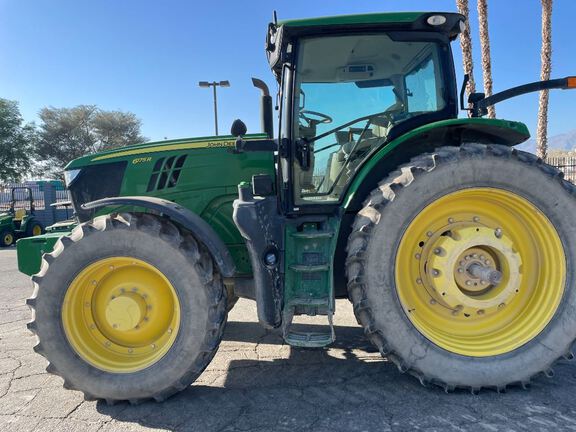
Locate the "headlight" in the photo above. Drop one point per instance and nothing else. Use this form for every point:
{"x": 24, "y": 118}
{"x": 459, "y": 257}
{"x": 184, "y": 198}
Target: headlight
{"x": 70, "y": 175}
{"x": 436, "y": 20}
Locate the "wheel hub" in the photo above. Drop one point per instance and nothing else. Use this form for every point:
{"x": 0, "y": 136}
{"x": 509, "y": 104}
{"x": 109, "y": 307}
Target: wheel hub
{"x": 461, "y": 256}
{"x": 126, "y": 312}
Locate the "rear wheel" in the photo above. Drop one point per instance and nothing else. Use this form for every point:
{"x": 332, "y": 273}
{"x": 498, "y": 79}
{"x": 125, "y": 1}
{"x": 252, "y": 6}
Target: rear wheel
{"x": 128, "y": 308}
{"x": 460, "y": 267}
{"x": 34, "y": 229}
{"x": 6, "y": 237}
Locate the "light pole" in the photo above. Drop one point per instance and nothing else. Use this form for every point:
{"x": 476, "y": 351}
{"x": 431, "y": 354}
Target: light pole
{"x": 214, "y": 84}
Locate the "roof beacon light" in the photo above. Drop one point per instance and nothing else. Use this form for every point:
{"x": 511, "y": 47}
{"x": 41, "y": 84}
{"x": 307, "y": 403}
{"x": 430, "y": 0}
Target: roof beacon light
{"x": 571, "y": 82}
{"x": 436, "y": 20}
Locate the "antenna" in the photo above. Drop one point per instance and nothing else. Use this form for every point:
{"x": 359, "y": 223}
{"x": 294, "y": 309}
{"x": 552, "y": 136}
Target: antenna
{"x": 274, "y": 18}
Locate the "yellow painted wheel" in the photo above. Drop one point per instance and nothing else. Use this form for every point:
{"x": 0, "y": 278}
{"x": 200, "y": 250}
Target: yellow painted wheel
{"x": 121, "y": 314}
{"x": 36, "y": 230}
{"x": 480, "y": 272}
{"x": 8, "y": 239}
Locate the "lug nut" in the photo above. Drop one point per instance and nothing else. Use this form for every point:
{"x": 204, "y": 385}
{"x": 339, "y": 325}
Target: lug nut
{"x": 501, "y": 305}
{"x": 438, "y": 251}
{"x": 432, "y": 301}
{"x": 130, "y": 350}
{"x": 429, "y": 233}
{"x": 468, "y": 282}
{"x": 418, "y": 281}
{"x": 451, "y": 220}
{"x": 498, "y": 232}
{"x": 476, "y": 219}
{"x": 480, "y": 311}
{"x": 436, "y": 272}
{"x": 417, "y": 256}
{"x": 460, "y": 270}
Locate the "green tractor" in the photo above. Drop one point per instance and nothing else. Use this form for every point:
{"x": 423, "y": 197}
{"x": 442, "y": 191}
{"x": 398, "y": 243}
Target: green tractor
{"x": 457, "y": 251}
{"x": 19, "y": 221}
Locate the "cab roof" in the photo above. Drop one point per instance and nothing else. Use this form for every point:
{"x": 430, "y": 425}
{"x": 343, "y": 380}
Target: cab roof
{"x": 283, "y": 32}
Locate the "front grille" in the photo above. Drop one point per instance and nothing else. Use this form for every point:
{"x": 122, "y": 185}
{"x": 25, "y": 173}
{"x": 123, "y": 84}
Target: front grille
{"x": 96, "y": 182}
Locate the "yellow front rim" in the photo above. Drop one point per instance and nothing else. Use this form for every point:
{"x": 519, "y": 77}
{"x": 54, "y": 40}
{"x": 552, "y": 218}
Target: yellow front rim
{"x": 8, "y": 239}
{"x": 36, "y": 230}
{"x": 487, "y": 230}
{"x": 121, "y": 314}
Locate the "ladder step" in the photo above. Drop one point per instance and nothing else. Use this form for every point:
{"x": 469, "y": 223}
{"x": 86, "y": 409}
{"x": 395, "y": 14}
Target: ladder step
{"x": 308, "y": 340}
{"x": 312, "y": 234}
{"x": 303, "y": 268}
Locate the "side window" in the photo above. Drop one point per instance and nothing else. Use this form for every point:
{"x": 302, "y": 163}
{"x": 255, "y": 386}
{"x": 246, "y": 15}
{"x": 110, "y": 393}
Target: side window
{"x": 421, "y": 88}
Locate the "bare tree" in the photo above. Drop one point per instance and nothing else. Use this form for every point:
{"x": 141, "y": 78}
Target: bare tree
{"x": 485, "y": 48}
{"x": 546, "y": 68}
{"x": 466, "y": 45}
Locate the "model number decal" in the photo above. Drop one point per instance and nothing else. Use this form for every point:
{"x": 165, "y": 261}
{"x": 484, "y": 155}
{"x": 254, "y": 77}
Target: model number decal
{"x": 141, "y": 160}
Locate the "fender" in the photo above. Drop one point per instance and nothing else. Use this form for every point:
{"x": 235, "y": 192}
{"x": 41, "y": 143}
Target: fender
{"x": 402, "y": 148}
{"x": 183, "y": 217}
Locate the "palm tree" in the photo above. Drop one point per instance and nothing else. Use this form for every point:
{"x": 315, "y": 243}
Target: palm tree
{"x": 485, "y": 47}
{"x": 466, "y": 45}
{"x": 546, "y": 68}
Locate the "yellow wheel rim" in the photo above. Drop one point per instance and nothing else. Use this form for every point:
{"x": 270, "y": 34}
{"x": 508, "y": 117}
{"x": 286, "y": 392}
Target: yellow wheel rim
{"x": 480, "y": 272}
{"x": 8, "y": 239}
{"x": 36, "y": 230}
{"x": 121, "y": 314}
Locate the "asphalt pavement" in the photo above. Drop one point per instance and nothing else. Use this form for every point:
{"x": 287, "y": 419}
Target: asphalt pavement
{"x": 257, "y": 383}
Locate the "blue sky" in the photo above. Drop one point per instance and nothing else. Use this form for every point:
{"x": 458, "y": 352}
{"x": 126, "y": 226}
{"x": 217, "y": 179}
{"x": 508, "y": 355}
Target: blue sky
{"x": 147, "y": 56}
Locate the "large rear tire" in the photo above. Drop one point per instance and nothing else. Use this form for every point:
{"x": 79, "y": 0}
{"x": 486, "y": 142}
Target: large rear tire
{"x": 128, "y": 307}
{"x": 461, "y": 267}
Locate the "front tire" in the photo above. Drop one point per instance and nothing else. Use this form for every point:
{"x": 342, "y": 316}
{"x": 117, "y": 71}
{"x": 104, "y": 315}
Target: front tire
{"x": 6, "y": 237}
{"x": 410, "y": 267}
{"x": 128, "y": 308}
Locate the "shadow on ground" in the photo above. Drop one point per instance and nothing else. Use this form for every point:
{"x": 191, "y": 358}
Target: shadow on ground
{"x": 348, "y": 387}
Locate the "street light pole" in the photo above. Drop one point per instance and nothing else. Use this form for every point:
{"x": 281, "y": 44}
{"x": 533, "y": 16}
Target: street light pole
{"x": 214, "y": 84}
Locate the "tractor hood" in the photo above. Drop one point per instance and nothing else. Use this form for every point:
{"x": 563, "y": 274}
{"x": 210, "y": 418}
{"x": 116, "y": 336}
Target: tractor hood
{"x": 187, "y": 171}
{"x": 210, "y": 142}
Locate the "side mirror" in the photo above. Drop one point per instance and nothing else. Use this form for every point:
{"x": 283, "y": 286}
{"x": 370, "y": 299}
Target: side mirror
{"x": 238, "y": 128}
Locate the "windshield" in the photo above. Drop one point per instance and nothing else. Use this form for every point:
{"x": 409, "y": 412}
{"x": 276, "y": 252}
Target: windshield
{"x": 350, "y": 92}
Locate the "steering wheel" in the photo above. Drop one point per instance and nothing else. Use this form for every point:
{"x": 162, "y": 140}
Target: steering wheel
{"x": 322, "y": 118}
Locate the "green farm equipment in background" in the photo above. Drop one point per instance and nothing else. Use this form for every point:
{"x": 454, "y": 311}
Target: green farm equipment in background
{"x": 456, "y": 250}
{"x": 19, "y": 220}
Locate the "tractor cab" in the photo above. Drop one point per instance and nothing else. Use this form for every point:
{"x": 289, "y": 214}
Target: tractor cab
{"x": 348, "y": 87}
{"x": 19, "y": 220}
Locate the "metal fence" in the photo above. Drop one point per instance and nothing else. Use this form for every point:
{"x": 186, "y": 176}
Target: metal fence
{"x": 567, "y": 164}
{"x": 45, "y": 197}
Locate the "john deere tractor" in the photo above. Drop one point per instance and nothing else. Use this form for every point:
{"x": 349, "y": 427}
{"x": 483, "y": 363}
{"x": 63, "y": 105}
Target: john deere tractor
{"x": 457, "y": 251}
{"x": 19, "y": 221}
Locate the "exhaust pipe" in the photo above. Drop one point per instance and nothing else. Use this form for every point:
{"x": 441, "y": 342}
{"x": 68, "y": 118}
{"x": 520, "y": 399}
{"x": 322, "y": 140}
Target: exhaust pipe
{"x": 266, "y": 122}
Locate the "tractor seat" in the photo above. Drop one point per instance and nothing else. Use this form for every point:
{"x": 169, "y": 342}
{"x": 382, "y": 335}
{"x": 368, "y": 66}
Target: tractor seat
{"x": 19, "y": 214}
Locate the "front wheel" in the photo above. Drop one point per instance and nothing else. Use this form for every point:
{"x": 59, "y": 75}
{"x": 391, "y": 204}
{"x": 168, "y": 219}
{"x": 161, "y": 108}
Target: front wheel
{"x": 128, "y": 307}
{"x": 6, "y": 237}
{"x": 461, "y": 267}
